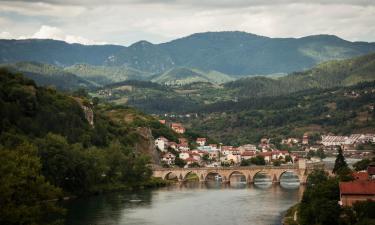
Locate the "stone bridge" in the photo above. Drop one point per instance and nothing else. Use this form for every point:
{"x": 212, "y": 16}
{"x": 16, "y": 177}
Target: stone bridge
{"x": 226, "y": 172}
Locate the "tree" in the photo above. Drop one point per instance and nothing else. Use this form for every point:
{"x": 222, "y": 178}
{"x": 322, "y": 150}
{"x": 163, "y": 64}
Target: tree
{"x": 24, "y": 192}
{"x": 363, "y": 164}
{"x": 245, "y": 162}
{"x": 179, "y": 162}
{"x": 288, "y": 158}
{"x": 340, "y": 162}
{"x": 194, "y": 164}
{"x": 319, "y": 204}
{"x": 320, "y": 153}
{"x": 258, "y": 160}
{"x": 310, "y": 154}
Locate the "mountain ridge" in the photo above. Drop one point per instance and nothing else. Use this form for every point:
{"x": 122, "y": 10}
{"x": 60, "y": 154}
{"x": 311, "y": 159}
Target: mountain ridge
{"x": 229, "y": 52}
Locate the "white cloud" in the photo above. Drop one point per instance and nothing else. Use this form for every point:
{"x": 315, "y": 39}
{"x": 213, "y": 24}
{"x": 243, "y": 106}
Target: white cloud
{"x": 48, "y": 32}
{"x": 5, "y": 35}
{"x": 127, "y": 21}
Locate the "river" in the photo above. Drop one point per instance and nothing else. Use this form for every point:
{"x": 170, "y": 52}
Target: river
{"x": 187, "y": 204}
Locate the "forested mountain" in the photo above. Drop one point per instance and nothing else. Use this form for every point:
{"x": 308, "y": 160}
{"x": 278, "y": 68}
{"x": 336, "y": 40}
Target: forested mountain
{"x": 340, "y": 110}
{"x": 54, "y": 52}
{"x": 193, "y": 97}
{"x": 325, "y": 75}
{"x": 50, "y": 75}
{"x": 233, "y": 53}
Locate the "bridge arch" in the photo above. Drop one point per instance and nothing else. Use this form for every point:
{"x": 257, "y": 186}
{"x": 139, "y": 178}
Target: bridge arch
{"x": 239, "y": 173}
{"x": 290, "y": 179}
{"x": 171, "y": 174}
{"x": 263, "y": 178}
{"x": 191, "y": 172}
{"x": 212, "y": 173}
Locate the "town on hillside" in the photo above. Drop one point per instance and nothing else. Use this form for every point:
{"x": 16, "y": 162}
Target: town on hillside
{"x": 201, "y": 153}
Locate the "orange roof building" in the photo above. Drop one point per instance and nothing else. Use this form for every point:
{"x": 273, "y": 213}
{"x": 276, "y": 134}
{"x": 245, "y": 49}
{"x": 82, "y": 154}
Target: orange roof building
{"x": 354, "y": 191}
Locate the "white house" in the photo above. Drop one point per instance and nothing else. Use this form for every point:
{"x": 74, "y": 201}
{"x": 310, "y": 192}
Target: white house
{"x": 184, "y": 155}
{"x": 161, "y": 143}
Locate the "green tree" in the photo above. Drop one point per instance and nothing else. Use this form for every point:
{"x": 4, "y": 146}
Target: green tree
{"x": 258, "y": 160}
{"x": 24, "y": 192}
{"x": 340, "y": 162}
{"x": 363, "y": 164}
{"x": 179, "y": 162}
{"x": 320, "y": 153}
{"x": 319, "y": 204}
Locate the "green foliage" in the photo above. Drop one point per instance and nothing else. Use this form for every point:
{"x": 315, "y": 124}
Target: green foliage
{"x": 59, "y": 152}
{"x": 319, "y": 204}
{"x": 363, "y": 164}
{"x": 179, "y": 162}
{"x": 25, "y": 194}
{"x": 320, "y": 153}
{"x": 258, "y": 160}
{"x": 340, "y": 162}
{"x": 194, "y": 165}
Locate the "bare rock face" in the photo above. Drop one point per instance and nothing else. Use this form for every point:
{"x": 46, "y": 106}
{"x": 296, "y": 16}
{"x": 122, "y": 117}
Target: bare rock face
{"x": 89, "y": 114}
{"x": 146, "y": 145}
{"x": 87, "y": 110}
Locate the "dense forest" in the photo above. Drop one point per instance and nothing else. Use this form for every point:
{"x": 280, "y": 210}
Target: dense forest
{"x": 50, "y": 150}
{"x": 338, "y": 110}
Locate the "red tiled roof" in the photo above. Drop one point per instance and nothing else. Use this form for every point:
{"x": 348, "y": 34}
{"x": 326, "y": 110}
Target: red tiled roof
{"x": 265, "y": 153}
{"x": 247, "y": 153}
{"x": 360, "y": 175}
{"x": 358, "y": 187}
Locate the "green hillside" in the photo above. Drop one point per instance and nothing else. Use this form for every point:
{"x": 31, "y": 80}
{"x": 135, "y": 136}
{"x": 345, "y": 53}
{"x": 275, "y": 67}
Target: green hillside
{"x": 233, "y": 53}
{"x": 192, "y": 97}
{"x": 50, "y": 150}
{"x": 325, "y": 75}
{"x": 50, "y": 75}
{"x": 182, "y": 76}
{"x": 104, "y": 75}
{"x": 342, "y": 111}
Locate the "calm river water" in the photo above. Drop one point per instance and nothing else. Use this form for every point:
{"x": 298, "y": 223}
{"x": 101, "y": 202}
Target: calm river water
{"x": 187, "y": 204}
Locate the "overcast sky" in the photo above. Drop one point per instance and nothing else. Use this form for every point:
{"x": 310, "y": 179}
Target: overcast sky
{"x": 127, "y": 21}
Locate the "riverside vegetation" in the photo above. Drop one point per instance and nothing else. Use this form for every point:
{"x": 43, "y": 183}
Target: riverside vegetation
{"x": 319, "y": 204}
{"x": 49, "y": 150}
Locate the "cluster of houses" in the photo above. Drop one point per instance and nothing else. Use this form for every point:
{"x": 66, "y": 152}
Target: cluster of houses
{"x": 213, "y": 155}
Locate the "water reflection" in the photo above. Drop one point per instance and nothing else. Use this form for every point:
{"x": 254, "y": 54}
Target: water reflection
{"x": 187, "y": 203}
{"x": 289, "y": 180}
{"x": 262, "y": 180}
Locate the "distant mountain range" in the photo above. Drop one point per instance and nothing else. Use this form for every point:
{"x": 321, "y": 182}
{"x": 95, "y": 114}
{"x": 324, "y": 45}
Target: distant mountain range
{"x": 209, "y": 97}
{"x": 231, "y": 53}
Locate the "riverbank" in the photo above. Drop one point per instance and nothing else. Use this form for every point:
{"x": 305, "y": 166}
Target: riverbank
{"x": 290, "y": 217}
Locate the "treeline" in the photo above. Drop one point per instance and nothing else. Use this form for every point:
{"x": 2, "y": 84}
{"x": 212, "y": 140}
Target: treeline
{"x": 330, "y": 110}
{"x": 325, "y": 75}
{"x": 49, "y": 150}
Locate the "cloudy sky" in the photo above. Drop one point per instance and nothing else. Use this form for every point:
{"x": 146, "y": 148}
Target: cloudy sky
{"x": 127, "y": 21}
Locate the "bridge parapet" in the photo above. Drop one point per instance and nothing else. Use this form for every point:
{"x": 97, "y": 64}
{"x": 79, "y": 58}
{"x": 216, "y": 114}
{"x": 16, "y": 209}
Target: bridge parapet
{"x": 226, "y": 172}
